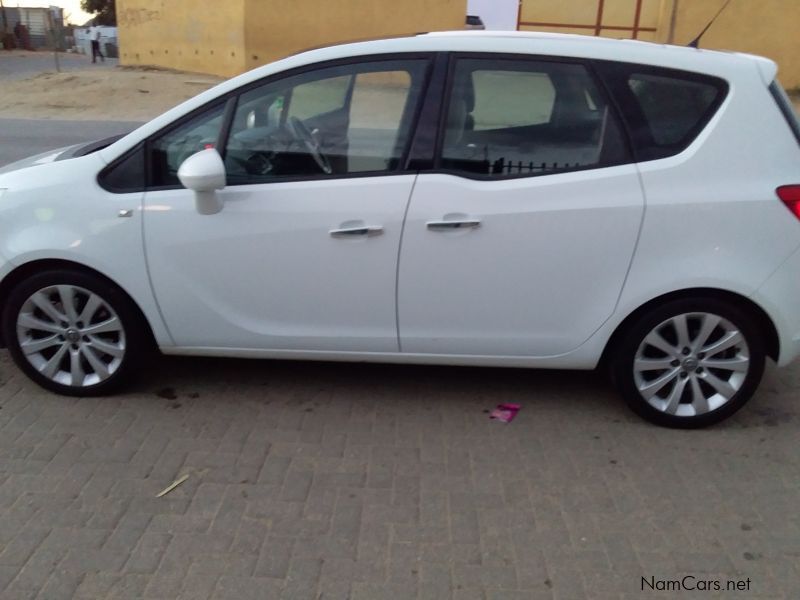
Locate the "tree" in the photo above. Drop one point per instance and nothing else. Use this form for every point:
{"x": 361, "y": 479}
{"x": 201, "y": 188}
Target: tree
{"x": 104, "y": 10}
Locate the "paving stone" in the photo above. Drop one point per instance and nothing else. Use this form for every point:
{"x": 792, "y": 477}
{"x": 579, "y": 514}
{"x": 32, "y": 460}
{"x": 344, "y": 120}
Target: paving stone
{"x": 146, "y": 557}
{"x": 394, "y": 485}
{"x": 247, "y": 588}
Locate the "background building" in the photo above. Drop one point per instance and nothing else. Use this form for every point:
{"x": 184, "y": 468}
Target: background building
{"x": 43, "y": 25}
{"x": 227, "y": 38}
{"x": 766, "y": 27}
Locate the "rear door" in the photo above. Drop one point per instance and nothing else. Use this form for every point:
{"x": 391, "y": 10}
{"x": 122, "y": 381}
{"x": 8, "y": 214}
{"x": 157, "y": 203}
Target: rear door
{"x": 519, "y": 242}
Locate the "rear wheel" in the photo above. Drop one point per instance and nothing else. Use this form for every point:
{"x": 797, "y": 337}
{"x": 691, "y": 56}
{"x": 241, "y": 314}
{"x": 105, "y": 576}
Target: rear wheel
{"x": 73, "y": 333}
{"x": 689, "y": 363}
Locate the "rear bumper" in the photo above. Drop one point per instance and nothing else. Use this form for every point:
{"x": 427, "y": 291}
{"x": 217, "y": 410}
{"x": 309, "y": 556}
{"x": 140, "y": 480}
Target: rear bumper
{"x": 793, "y": 352}
{"x": 780, "y": 297}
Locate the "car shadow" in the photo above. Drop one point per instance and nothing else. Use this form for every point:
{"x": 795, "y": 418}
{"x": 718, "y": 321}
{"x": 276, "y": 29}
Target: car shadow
{"x": 581, "y": 395}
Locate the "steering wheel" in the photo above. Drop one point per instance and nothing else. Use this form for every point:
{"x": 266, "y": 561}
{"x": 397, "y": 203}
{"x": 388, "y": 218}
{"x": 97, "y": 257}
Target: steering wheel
{"x": 258, "y": 163}
{"x": 301, "y": 133}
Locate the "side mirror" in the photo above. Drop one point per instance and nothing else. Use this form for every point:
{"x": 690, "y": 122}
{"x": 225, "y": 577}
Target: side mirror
{"x": 204, "y": 173}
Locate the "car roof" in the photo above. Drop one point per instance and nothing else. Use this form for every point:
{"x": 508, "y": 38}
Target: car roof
{"x": 722, "y": 64}
{"x": 560, "y": 44}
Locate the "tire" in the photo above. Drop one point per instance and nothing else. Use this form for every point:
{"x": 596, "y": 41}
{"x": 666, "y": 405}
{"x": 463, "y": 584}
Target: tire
{"x": 689, "y": 363}
{"x": 57, "y": 349}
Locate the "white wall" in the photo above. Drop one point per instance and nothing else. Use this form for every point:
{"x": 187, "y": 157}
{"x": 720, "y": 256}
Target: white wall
{"x": 82, "y": 40}
{"x": 496, "y": 14}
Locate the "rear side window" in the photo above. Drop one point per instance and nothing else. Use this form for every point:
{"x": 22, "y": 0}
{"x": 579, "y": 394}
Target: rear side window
{"x": 520, "y": 118}
{"x": 665, "y": 109}
{"x": 531, "y": 102}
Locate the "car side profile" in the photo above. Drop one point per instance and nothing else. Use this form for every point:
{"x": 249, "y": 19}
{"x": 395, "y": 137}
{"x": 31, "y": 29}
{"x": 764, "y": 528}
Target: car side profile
{"x": 462, "y": 198}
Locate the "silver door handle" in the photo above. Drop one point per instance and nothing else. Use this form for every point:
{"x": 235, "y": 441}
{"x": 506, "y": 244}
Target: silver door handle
{"x": 448, "y": 225}
{"x": 350, "y": 232}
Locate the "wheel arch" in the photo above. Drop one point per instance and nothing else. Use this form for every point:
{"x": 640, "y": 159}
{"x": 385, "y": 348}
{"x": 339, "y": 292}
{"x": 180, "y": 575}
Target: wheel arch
{"x": 20, "y": 273}
{"x": 765, "y": 324}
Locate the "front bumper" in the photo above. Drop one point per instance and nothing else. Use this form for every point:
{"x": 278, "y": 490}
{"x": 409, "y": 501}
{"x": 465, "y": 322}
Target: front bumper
{"x": 5, "y": 269}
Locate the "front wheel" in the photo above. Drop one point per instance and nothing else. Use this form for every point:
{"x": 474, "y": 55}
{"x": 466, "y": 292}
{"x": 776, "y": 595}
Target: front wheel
{"x": 73, "y": 333}
{"x": 689, "y": 363}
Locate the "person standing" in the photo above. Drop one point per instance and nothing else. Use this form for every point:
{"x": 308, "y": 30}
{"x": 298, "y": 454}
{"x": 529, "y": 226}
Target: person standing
{"x": 94, "y": 36}
{"x": 18, "y": 34}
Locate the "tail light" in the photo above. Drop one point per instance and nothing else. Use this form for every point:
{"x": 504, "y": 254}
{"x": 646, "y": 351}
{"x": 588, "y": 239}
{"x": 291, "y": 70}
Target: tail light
{"x": 790, "y": 196}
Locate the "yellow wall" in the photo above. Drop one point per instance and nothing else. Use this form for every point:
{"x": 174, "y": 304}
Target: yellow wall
{"x": 765, "y": 27}
{"x": 277, "y": 28}
{"x": 230, "y": 37}
{"x": 581, "y": 16}
{"x": 227, "y": 38}
{"x": 183, "y": 34}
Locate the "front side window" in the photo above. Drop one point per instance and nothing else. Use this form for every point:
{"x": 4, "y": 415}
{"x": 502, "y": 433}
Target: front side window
{"x": 333, "y": 121}
{"x": 169, "y": 150}
{"x": 510, "y": 118}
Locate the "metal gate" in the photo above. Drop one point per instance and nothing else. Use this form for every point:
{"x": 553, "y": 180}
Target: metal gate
{"x": 637, "y": 19}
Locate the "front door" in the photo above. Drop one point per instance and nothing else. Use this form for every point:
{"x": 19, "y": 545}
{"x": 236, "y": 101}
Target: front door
{"x": 519, "y": 245}
{"x": 303, "y": 255}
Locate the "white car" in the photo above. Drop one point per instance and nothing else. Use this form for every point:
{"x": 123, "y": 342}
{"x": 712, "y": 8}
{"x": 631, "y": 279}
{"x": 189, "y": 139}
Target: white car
{"x": 481, "y": 198}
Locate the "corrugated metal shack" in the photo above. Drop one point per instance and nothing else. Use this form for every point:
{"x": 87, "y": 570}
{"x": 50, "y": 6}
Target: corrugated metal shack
{"x": 37, "y": 20}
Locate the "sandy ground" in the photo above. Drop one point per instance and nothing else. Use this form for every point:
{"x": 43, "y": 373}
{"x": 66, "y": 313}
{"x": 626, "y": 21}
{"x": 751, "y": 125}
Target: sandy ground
{"x": 101, "y": 93}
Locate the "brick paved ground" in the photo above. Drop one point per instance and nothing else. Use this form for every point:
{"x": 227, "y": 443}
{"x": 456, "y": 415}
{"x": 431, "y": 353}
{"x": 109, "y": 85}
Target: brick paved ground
{"x": 328, "y": 481}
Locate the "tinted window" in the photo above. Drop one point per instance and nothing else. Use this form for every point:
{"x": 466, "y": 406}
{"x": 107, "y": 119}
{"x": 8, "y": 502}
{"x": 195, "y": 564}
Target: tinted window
{"x": 672, "y": 107}
{"x": 126, "y": 174}
{"x": 329, "y": 122}
{"x": 531, "y": 102}
{"x": 519, "y": 117}
{"x": 168, "y": 151}
{"x": 318, "y": 97}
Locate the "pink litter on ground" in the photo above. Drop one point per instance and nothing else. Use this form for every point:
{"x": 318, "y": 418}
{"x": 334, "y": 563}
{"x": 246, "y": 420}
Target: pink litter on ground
{"x": 505, "y": 412}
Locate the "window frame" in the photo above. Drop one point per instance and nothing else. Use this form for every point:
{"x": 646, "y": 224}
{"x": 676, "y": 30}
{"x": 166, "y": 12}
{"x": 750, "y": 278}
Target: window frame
{"x": 230, "y": 101}
{"x": 587, "y": 64}
{"x": 617, "y": 74}
{"x": 785, "y": 105}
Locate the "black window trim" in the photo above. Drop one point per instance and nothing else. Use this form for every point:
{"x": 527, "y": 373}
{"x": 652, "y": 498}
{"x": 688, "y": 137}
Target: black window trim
{"x": 588, "y": 64}
{"x": 422, "y": 152}
{"x": 784, "y": 104}
{"x": 230, "y": 101}
{"x": 102, "y": 179}
{"x": 616, "y": 75}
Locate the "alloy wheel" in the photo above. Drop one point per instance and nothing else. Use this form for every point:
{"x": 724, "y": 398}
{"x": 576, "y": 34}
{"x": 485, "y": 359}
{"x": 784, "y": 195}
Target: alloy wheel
{"x": 691, "y": 364}
{"x": 71, "y": 335}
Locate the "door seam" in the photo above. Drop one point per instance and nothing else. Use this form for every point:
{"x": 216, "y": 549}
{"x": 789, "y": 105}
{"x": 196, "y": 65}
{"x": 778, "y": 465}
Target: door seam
{"x": 397, "y": 265}
{"x": 143, "y": 211}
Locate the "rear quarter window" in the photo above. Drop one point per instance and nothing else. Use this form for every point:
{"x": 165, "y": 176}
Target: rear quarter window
{"x": 672, "y": 107}
{"x": 664, "y": 109}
